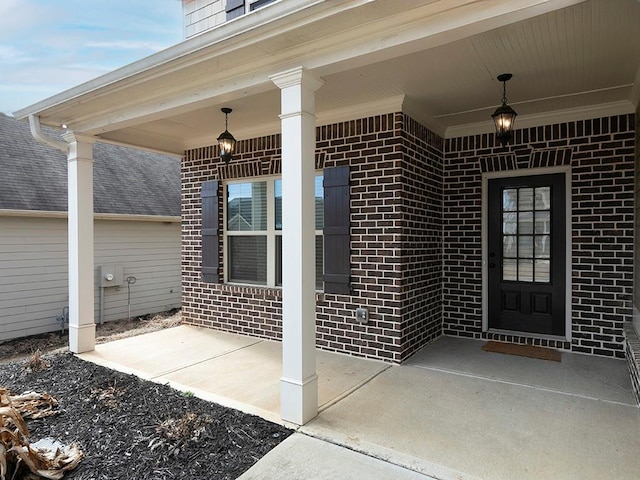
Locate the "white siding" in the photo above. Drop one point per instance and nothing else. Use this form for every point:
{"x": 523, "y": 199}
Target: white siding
{"x": 201, "y": 15}
{"x": 34, "y": 280}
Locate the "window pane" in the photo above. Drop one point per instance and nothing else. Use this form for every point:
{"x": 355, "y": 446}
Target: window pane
{"x": 525, "y": 199}
{"x": 509, "y": 223}
{"x": 248, "y": 259}
{"x": 525, "y": 223}
{"x": 543, "y": 246}
{"x": 525, "y": 270}
{"x": 247, "y": 206}
{"x": 278, "y": 199}
{"x": 525, "y": 246}
{"x": 542, "y": 271}
{"x": 543, "y": 222}
{"x": 279, "y": 260}
{"x": 543, "y": 198}
{"x": 319, "y": 203}
{"x": 510, "y": 200}
{"x": 319, "y": 195}
{"x": 319, "y": 261}
{"x": 510, "y": 269}
{"x": 510, "y": 246}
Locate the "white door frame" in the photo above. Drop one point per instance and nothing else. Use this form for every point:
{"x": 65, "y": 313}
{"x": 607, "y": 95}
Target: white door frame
{"x": 566, "y": 169}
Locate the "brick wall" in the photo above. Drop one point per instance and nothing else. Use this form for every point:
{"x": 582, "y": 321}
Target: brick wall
{"x": 396, "y": 198}
{"x": 422, "y": 236}
{"x": 632, "y": 342}
{"x": 416, "y": 233}
{"x": 601, "y": 155}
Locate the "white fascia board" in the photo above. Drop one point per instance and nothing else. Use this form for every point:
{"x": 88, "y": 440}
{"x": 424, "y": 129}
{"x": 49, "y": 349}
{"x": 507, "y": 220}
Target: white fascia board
{"x": 5, "y": 212}
{"x": 137, "y": 218}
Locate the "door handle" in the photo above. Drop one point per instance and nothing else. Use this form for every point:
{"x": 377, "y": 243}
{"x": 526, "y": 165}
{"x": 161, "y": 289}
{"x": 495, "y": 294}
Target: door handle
{"x": 492, "y": 265}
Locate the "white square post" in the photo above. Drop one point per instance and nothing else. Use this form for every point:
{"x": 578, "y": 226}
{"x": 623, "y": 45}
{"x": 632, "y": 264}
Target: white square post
{"x": 82, "y": 327}
{"x": 299, "y": 382}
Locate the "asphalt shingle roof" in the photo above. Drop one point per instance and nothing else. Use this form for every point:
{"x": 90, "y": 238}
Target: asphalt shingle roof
{"x": 33, "y": 176}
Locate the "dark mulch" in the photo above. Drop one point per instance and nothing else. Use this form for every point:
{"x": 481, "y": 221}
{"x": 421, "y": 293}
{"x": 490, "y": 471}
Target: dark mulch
{"x": 130, "y": 428}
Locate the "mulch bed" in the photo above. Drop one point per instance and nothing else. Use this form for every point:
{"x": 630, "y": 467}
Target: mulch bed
{"x": 130, "y": 428}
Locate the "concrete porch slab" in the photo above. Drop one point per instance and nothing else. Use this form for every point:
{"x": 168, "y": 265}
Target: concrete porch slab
{"x": 458, "y": 425}
{"x": 233, "y": 370}
{"x": 153, "y": 354}
{"x": 251, "y": 376}
{"x": 588, "y": 376}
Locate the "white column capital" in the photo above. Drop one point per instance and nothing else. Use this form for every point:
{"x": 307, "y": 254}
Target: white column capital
{"x": 297, "y": 76}
{"x": 80, "y": 147}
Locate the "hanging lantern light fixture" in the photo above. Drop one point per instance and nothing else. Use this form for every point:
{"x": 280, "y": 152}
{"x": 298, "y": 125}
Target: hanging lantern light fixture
{"x": 504, "y": 117}
{"x": 225, "y": 140}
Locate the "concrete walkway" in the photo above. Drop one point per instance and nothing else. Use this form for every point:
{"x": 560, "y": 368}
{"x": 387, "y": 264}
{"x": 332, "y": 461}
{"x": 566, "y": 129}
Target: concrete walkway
{"x": 452, "y": 412}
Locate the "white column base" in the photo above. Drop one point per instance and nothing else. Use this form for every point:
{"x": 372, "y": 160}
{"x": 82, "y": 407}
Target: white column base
{"x": 299, "y": 401}
{"x": 82, "y": 338}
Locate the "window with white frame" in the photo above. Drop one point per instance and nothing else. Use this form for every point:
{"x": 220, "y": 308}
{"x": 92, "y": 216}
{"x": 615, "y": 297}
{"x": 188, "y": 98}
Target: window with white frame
{"x": 253, "y": 231}
{"x": 236, "y": 8}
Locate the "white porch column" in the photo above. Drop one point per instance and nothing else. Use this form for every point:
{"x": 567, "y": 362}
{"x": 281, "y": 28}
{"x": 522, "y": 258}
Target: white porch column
{"x": 299, "y": 382}
{"x": 82, "y": 327}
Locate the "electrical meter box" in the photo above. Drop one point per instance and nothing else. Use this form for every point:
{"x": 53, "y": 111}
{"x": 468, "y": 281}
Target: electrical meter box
{"x": 111, "y": 275}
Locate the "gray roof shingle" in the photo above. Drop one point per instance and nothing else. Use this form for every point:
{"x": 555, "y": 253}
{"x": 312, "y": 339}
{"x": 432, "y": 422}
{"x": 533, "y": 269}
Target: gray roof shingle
{"x": 33, "y": 176}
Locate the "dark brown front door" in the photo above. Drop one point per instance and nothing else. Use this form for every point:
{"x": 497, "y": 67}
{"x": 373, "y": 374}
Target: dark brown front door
{"x": 526, "y": 254}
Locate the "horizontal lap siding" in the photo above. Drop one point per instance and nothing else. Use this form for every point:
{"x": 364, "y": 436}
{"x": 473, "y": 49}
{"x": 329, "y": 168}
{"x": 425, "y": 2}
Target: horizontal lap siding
{"x": 201, "y": 15}
{"x": 601, "y": 154}
{"x": 148, "y": 251}
{"x": 33, "y": 275}
{"x": 34, "y": 279}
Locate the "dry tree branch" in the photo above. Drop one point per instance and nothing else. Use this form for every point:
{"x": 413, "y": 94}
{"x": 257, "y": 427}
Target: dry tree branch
{"x": 46, "y": 458}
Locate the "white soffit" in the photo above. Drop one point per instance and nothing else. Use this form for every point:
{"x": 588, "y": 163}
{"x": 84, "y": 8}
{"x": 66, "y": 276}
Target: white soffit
{"x": 437, "y": 58}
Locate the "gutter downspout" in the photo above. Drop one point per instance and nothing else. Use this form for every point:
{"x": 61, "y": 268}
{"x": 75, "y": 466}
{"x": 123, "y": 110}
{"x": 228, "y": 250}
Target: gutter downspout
{"x": 36, "y": 132}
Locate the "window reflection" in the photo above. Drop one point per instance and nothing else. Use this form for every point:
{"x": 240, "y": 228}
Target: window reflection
{"x": 526, "y": 234}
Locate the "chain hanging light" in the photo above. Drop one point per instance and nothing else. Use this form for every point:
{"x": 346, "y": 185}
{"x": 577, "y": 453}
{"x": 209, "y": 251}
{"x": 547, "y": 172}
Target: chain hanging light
{"x": 226, "y": 141}
{"x": 504, "y": 117}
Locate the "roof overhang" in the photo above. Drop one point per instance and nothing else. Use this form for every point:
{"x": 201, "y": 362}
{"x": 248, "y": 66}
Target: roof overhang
{"x": 434, "y": 59}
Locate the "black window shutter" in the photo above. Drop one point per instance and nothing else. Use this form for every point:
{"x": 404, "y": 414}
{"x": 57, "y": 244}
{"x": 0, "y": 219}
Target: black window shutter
{"x": 337, "y": 262}
{"x": 234, "y": 8}
{"x": 210, "y": 251}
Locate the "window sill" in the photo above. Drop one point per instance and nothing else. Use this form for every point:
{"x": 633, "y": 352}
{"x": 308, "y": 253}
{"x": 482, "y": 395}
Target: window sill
{"x": 259, "y": 289}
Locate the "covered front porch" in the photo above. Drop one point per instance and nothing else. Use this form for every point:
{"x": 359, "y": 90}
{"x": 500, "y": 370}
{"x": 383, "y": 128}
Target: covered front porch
{"x": 451, "y": 411}
{"x": 392, "y": 100}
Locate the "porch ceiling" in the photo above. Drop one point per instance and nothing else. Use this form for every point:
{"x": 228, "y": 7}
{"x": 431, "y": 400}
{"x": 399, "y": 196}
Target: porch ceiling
{"x": 436, "y": 59}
